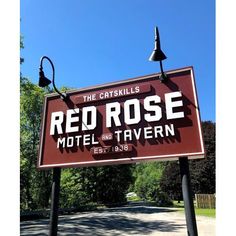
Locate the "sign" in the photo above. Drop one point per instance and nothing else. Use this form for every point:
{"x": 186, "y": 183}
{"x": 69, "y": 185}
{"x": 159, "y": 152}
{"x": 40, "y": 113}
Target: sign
{"x": 123, "y": 122}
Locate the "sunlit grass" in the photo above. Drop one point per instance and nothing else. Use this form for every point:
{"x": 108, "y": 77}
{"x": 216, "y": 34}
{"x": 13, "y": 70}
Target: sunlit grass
{"x": 198, "y": 211}
{"x": 205, "y": 212}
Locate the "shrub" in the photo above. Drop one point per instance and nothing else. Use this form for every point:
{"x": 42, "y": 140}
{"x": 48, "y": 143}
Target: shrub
{"x": 163, "y": 199}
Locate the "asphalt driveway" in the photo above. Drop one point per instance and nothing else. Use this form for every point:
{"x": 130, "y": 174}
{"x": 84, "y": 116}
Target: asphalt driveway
{"x": 127, "y": 221}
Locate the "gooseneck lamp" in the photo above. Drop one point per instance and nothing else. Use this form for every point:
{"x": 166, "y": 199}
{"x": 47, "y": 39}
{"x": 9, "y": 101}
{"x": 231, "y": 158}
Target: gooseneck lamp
{"x": 158, "y": 55}
{"x": 43, "y": 81}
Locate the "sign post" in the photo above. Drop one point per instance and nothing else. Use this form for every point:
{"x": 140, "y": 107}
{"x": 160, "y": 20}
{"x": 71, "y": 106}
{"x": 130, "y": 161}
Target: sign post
{"x": 55, "y": 202}
{"x": 187, "y": 196}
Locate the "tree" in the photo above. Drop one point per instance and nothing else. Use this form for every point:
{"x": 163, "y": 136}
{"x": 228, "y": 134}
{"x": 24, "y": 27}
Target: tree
{"x": 35, "y": 185}
{"x": 202, "y": 171}
{"x": 106, "y": 185}
{"x": 113, "y": 183}
{"x": 72, "y": 193}
{"x": 147, "y": 180}
{"x": 170, "y": 182}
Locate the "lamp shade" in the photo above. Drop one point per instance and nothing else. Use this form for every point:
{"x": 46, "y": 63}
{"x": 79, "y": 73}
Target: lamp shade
{"x": 43, "y": 81}
{"x": 157, "y": 55}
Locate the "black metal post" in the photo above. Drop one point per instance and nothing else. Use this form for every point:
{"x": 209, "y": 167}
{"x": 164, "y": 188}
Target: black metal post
{"x": 55, "y": 202}
{"x": 187, "y": 196}
{"x": 163, "y": 76}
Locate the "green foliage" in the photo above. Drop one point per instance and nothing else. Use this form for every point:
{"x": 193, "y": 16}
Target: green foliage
{"x": 178, "y": 204}
{"x": 202, "y": 171}
{"x": 34, "y": 185}
{"x": 170, "y": 182}
{"x": 71, "y": 194}
{"x": 134, "y": 198}
{"x": 106, "y": 185}
{"x": 147, "y": 180}
{"x": 163, "y": 199}
{"x": 113, "y": 183}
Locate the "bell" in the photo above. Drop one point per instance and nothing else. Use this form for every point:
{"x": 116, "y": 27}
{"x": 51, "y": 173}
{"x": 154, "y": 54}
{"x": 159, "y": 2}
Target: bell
{"x": 43, "y": 81}
{"x": 157, "y": 54}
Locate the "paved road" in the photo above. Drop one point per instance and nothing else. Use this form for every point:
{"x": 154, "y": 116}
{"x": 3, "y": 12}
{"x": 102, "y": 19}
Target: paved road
{"x": 127, "y": 221}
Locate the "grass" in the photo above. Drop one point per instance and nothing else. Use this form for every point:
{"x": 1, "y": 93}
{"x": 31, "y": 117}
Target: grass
{"x": 205, "y": 212}
{"x": 198, "y": 211}
{"x": 134, "y": 198}
{"x": 178, "y": 204}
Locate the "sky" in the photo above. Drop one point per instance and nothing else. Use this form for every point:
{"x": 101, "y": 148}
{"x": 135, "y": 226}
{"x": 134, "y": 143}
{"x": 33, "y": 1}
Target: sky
{"x": 94, "y": 42}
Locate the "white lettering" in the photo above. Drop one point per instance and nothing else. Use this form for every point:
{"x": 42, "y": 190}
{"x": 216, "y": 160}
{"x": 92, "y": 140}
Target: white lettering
{"x": 78, "y": 138}
{"x": 61, "y": 141}
{"x": 93, "y": 123}
{"x": 147, "y": 132}
{"x": 158, "y": 130}
{"x": 136, "y": 111}
{"x": 118, "y": 132}
{"x": 56, "y": 122}
{"x": 70, "y": 120}
{"x": 170, "y": 130}
{"x": 154, "y": 108}
{"x": 86, "y": 140}
{"x": 127, "y": 135}
{"x": 170, "y": 105}
{"x": 93, "y": 140}
{"x": 137, "y": 133}
{"x": 90, "y": 97}
{"x": 70, "y": 142}
{"x": 113, "y": 112}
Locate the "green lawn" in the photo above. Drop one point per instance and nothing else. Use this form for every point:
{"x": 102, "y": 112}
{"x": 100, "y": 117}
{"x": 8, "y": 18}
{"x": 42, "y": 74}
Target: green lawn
{"x": 205, "y": 212}
{"x": 178, "y": 204}
{"x": 198, "y": 211}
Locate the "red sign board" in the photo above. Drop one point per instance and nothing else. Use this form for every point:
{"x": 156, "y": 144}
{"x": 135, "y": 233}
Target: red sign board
{"x": 123, "y": 122}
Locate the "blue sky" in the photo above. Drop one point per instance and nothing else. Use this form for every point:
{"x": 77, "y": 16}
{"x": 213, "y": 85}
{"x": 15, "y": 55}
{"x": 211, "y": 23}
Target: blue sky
{"x": 98, "y": 41}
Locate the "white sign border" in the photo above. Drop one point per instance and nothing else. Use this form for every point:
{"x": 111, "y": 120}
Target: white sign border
{"x": 196, "y": 155}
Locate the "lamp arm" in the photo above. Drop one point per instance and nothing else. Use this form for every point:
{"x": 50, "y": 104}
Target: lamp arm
{"x": 63, "y": 96}
{"x": 163, "y": 76}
